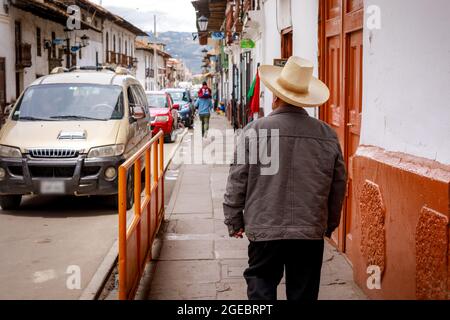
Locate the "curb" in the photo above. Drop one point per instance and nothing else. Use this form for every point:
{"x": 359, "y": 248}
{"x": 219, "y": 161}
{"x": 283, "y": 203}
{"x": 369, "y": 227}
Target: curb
{"x": 97, "y": 283}
{"x": 101, "y": 276}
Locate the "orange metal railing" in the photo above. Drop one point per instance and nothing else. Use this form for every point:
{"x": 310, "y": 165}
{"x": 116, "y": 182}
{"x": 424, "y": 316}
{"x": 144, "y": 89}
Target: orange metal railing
{"x": 136, "y": 238}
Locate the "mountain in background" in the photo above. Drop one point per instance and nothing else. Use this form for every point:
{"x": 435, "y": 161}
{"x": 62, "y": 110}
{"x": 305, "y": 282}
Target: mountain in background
{"x": 181, "y": 46}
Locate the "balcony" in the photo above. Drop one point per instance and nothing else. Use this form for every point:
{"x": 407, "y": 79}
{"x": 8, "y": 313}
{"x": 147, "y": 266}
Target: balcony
{"x": 112, "y": 57}
{"x": 124, "y": 60}
{"x": 251, "y": 5}
{"x": 23, "y": 55}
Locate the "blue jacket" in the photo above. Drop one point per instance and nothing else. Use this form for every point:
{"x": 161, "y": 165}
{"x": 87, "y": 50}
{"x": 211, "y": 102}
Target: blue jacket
{"x": 204, "y": 106}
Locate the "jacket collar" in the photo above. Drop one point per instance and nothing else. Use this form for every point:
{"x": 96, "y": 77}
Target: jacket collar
{"x": 287, "y": 108}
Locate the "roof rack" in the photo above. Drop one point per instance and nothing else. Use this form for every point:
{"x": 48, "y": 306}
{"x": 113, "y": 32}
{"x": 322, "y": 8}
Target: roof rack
{"x": 91, "y": 68}
{"x": 118, "y": 70}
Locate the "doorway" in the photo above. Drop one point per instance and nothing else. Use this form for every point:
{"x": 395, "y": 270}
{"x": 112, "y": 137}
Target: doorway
{"x": 341, "y": 57}
{"x": 2, "y": 88}
{"x": 286, "y": 43}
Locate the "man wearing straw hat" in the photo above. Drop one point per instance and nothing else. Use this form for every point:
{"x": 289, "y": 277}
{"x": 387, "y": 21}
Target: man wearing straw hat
{"x": 287, "y": 215}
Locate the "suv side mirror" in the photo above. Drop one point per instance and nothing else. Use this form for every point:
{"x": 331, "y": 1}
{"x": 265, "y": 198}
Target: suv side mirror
{"x": 138, "y": 113}
{"x": 176, "y": 106}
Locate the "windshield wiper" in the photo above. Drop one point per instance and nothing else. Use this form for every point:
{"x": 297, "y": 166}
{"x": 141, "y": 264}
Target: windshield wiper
{"x": 34, "y": 119}
{"x": 77, "y": 118}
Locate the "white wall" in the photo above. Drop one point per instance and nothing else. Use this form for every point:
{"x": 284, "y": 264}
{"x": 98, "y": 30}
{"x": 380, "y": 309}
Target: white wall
{"x": 272, "y": 47}
{"x": 145, "y": 60}
{"x": 140, "y": 71}
{"x": 7, "y": 52}
{"x": 305, "y": 24}
{"x": 88, "y": 54}
{"x": 121, "y": 35}
{"x": 29, "y": 24}
{"x": 407, "y": 79}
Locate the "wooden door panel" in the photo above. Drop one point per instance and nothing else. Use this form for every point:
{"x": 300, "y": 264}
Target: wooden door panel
{"x": 354, "y": 5}
{"x": 335, "y": 115}
{"x": 341, "y": 26}
{"x": 353, "y": 105}
{"x": 333, "y": 9}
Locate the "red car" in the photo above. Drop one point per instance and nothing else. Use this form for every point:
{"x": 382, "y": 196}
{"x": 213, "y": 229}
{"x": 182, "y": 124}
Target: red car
{"x": 163, "y": 114}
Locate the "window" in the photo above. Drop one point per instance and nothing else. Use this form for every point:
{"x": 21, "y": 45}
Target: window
{"x": 132, "y": 100}
{"x": 60, "y": 102}
{"x": 286, "y": 43}
{"x": 38, "y": 42}
{"x": 53, "y": 45}
{"x": 157, "y": 100}
{"x": 141, "y": 94}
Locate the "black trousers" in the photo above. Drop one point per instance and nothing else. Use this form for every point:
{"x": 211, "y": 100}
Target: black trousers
{"x": 302, "y": 260}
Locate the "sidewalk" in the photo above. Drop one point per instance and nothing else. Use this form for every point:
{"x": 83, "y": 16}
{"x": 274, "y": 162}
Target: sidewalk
{"x": 198, "y": 260}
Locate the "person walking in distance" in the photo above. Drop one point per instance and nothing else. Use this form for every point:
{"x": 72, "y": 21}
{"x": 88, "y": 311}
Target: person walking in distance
{"x": 204, "y": 105}
{"x": 286, "y": 215}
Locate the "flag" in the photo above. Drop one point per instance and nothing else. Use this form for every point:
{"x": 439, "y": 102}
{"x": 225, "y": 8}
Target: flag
{"x": 254, "y": 103}
{"x": 247, "y": 44}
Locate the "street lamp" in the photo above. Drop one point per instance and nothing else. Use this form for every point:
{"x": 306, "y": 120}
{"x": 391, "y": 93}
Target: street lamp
{"x": 203, "y": 23}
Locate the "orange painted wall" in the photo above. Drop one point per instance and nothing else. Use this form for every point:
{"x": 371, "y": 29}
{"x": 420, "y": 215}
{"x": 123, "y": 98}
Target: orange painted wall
{"x": 401, "y": 223}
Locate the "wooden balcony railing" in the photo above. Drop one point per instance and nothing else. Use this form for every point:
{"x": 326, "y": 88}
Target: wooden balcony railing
{"x": 112, "y": 57}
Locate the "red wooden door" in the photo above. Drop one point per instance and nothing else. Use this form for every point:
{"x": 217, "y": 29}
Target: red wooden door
{"x": 340, "y": 32}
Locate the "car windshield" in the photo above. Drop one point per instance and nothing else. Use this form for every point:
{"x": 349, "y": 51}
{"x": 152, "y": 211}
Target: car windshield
{"x": 179, "y": 96}
{"x": 157, "y": 101}
{"x": 60, "y": 102}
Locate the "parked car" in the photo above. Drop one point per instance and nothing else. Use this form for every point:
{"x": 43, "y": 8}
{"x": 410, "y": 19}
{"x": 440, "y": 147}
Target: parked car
{"x": 182, "y": 98}
{"x": 69, "y": 132}
{"x": 163, "y": 114}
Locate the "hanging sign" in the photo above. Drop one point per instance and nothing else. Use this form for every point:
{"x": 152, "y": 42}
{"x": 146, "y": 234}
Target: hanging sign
{"x": 279, "y": 62}
{"x": 247, "y": 44}
{"x": 218, "y": 35}
{"x": 58, "y": 41}
{"x": 74, "y": 49}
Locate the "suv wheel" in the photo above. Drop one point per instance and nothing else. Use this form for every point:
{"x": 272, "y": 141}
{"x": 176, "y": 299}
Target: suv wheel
{"x": 114, "y": 200}
{"x": 10, "y": 202}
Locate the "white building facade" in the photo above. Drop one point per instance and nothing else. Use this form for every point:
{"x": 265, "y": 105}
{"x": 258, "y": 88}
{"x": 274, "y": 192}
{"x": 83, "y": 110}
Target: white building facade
{"x": 37, "y": 38}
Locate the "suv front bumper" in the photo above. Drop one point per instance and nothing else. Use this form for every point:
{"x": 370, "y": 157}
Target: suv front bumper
{"x": 79, "y": 176}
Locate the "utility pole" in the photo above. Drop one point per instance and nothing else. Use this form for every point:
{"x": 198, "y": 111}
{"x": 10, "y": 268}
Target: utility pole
{"x": 155, "y": 55}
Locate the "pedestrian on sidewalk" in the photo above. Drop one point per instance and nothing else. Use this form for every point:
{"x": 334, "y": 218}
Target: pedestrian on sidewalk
{"x": 287, "y": 215}
{"x": 204, "y": 105}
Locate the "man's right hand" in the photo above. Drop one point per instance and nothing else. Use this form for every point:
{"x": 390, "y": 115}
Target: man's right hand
{"x": 239, "y": 234}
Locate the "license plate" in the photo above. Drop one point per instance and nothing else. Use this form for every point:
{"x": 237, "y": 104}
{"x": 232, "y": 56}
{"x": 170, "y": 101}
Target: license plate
{"x": 53, "y": 187}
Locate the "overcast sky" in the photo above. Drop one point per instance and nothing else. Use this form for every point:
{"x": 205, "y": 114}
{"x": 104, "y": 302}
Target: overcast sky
{"x": 171, "y": 15}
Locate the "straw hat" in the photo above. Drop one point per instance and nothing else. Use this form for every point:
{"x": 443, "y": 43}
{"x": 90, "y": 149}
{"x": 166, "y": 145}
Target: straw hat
{"x": 294, "y": 83}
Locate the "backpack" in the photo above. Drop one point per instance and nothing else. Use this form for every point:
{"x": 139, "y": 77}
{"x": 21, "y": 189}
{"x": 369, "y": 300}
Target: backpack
{"x": 204, "y": 93}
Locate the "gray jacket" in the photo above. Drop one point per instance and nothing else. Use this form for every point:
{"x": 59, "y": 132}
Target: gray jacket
{"x": 304, "y": 199}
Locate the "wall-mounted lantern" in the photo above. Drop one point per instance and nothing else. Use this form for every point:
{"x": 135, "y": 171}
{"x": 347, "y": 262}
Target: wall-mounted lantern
{"x": 203, "y": 23}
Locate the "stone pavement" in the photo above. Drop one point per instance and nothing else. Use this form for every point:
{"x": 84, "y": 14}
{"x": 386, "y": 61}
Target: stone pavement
{"x": 198, "y": 260}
